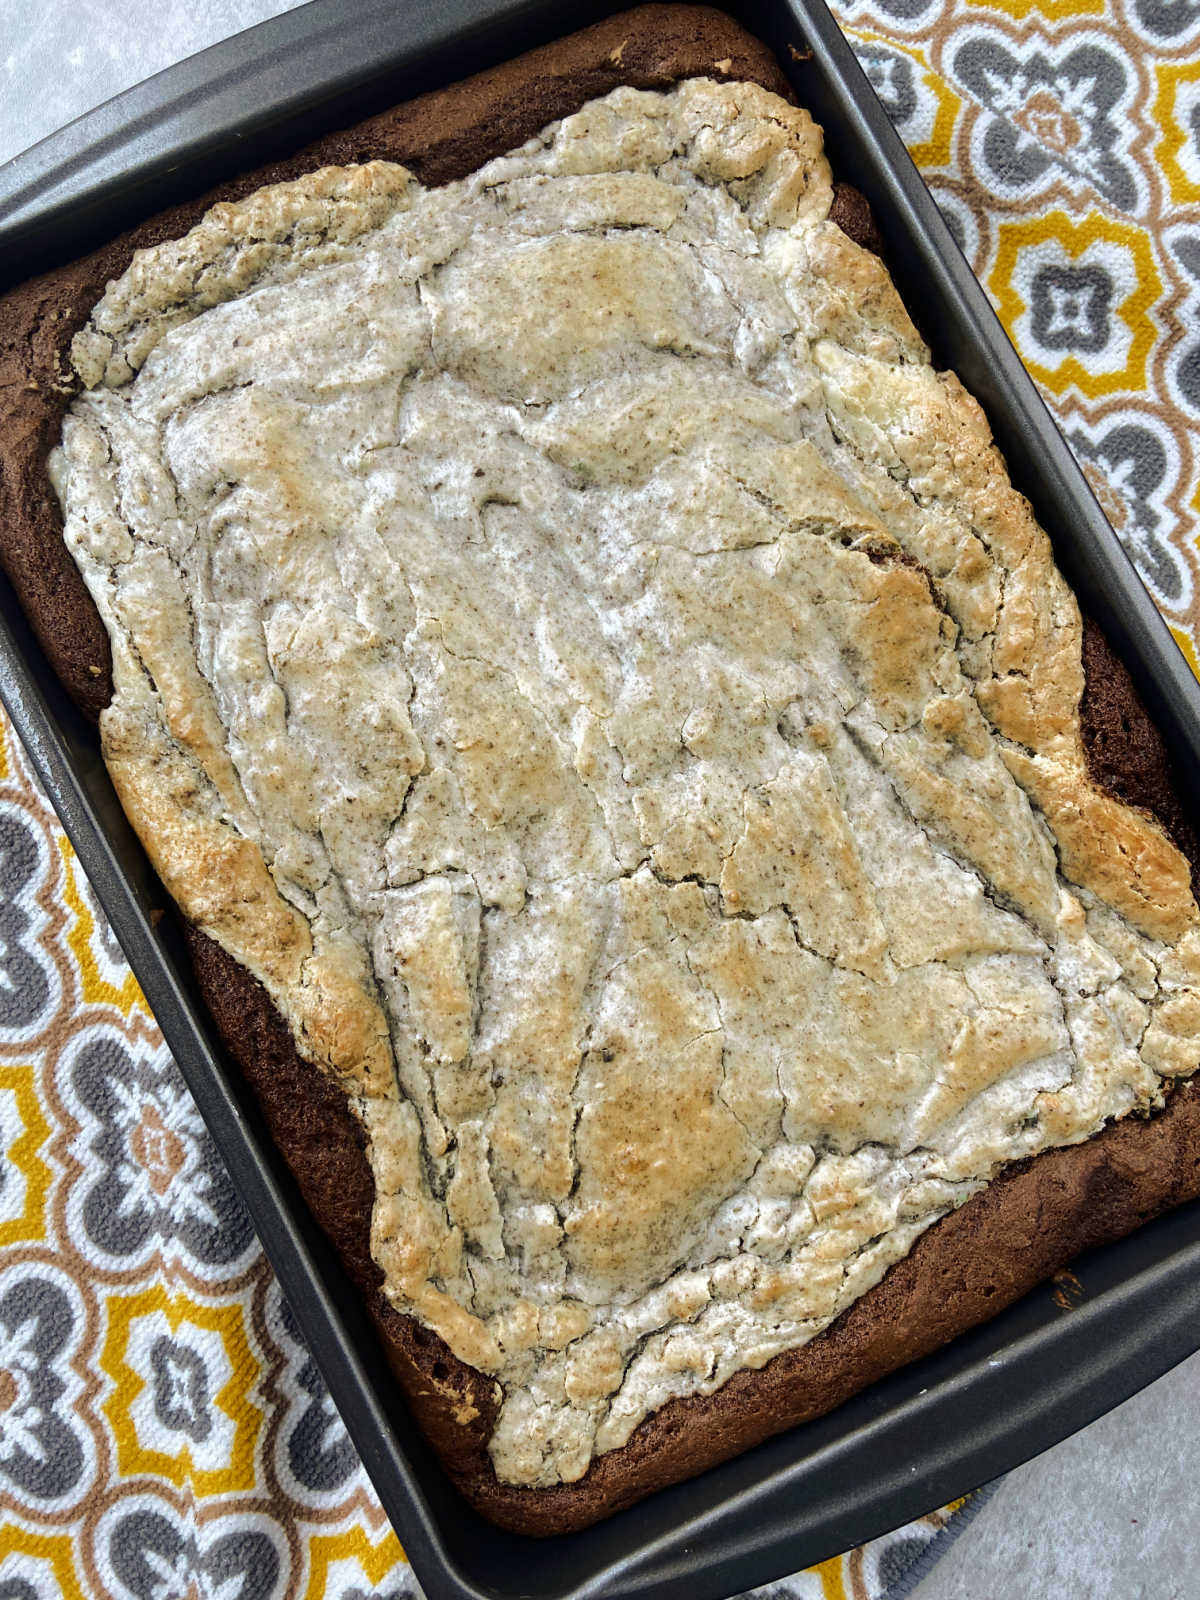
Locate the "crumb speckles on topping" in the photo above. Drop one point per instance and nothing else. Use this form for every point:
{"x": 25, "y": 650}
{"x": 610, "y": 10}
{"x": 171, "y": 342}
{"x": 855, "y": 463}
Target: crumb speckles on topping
{"x": 574, "y": 649}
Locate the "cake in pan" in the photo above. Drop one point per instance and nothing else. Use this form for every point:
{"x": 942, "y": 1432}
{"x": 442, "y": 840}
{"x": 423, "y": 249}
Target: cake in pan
{"x": 704, "y": 917}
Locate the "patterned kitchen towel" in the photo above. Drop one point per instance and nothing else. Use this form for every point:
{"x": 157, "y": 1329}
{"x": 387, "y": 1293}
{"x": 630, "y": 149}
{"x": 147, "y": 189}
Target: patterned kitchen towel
{"x": 164, "y": 1434}
{"x": 1061, "y": 139}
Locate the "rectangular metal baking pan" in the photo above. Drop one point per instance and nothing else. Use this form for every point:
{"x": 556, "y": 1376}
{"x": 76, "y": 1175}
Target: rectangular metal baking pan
{"x": 983, "y": 1404}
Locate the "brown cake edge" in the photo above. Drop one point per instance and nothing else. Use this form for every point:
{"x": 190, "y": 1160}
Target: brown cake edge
{"x": 1026, "y": 1225}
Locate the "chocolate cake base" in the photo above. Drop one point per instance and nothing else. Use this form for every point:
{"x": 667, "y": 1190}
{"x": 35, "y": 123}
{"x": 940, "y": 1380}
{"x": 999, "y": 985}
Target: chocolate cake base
{"x": 1023, "y": 1227}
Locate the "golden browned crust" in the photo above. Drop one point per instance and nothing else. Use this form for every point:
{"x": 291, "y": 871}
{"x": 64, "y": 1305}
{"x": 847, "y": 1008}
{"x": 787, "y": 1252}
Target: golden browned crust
{"x": 1021, "y": 1229}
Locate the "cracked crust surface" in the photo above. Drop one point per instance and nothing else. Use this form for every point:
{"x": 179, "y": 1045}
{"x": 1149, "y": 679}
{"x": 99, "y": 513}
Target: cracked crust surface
{"x": 639, "y": 756}
{"x": 874, "y": 612}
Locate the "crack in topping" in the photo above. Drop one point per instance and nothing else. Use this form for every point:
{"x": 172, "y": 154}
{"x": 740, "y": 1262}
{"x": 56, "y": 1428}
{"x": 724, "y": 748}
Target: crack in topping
{"x": 572, "y": 647}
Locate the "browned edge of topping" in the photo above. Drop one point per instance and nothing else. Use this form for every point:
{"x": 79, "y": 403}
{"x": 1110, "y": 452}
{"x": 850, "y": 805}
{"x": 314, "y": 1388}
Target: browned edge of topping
{"x": 1025, "y": 1226}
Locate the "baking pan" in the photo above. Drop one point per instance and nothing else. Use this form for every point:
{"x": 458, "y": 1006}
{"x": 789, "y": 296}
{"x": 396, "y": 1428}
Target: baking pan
{"x": 981, "y": 1405}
